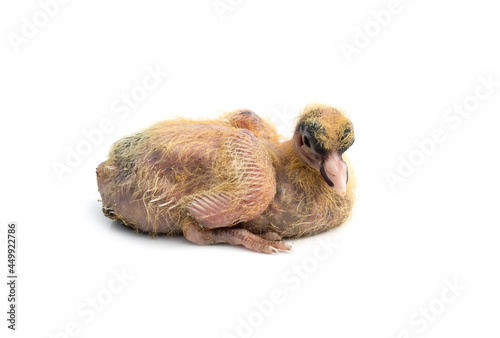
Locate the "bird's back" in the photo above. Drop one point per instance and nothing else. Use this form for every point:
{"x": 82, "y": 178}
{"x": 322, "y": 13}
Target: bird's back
{"x": 151, "y": 176}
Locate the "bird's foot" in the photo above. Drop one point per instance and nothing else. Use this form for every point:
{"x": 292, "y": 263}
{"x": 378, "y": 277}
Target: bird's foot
{"x": 269, "y": 243}
{"x": 271, "y": 236}
{"x": 266, "y": 244}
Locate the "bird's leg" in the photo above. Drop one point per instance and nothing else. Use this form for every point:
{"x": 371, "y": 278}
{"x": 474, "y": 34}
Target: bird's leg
{"x": 235, "y": 236}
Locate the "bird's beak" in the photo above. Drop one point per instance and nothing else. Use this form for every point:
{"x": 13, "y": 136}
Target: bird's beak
{"x": 334, "y": 171}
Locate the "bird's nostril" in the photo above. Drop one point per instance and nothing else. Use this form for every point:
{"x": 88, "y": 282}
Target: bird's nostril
{"x": 306, "y": 142}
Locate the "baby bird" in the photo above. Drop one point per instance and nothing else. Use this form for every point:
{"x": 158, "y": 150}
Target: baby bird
{"x": 231, "y": 180}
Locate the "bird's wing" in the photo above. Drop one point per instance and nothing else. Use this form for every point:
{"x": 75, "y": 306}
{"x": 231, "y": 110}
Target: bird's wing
{"x": 246, "y": 187}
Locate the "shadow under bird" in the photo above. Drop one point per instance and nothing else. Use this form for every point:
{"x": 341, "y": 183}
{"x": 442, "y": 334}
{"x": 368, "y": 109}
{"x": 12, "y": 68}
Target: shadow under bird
{"x": 231, "y": 179}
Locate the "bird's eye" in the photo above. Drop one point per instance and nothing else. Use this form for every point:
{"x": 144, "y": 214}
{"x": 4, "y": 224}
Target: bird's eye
{"x": 347, "y": 131}
{"x": 306, "y": 142}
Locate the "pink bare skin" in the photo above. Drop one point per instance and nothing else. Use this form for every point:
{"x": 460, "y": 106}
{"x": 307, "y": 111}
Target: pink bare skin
{"x": 281, "y": 209}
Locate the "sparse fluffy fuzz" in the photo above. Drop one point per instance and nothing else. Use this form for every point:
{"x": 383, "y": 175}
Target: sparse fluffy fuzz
{"x": 223, "y": 173}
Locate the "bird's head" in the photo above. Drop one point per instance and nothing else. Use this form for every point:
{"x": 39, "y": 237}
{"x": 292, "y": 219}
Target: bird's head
{"x": 322, "y": 135}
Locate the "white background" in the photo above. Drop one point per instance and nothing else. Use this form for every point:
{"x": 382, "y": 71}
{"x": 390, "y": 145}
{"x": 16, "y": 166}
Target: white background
{"x": 393, "y": 257}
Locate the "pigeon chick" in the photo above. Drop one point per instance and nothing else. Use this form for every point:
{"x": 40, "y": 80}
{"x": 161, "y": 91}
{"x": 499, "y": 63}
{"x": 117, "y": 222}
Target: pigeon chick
{"x": 231, "y": 180}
